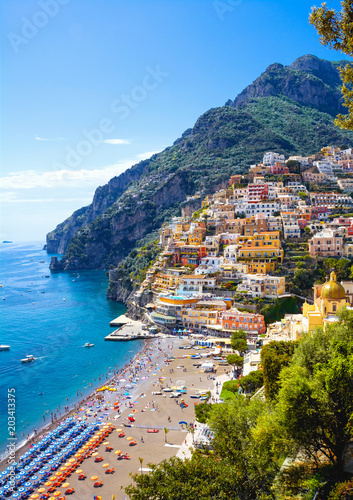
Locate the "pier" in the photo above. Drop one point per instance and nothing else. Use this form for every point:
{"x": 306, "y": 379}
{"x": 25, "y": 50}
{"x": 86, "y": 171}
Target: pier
{"x": 128, "y": 329}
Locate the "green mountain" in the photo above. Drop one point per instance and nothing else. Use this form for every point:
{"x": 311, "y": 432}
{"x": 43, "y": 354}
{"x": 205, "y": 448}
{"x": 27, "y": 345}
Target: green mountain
{"x": 281, "y": 111}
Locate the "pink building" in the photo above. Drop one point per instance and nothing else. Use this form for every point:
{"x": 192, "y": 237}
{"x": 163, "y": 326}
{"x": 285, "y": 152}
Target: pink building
{"x": 279, "y": 169}
{"x": 326, "y": 243}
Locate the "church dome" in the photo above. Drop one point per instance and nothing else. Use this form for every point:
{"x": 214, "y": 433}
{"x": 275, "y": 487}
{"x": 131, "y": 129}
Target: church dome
{"x": 333, "y": 290}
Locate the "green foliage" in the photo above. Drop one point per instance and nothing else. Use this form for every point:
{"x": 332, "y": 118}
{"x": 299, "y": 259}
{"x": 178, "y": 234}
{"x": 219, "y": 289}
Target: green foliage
{"x": 132, "y": 270}
{"x": 280, "y": 307}
{"x": 239, "y": 345}
{"x": 275, "y": 356}
{"x": 177, "y": 479}
{"x": 335, "y": 31}
{"x": 203, "y": 411}
{"x": 253, "y": 381}
{"x": 250, "y": 443}
{"x": 235, "y": 359}
{"x": 315, "y": 400}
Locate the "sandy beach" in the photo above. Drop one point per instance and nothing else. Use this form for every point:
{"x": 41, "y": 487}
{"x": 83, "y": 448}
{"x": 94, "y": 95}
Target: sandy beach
{"x": 148, "y": 373}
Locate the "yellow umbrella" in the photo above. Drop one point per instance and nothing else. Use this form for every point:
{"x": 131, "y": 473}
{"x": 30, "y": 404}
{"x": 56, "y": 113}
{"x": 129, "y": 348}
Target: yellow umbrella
{"x": 57, "y": 493}
{"x": 129, "y": 438}
{"x": 52, "y": 498}
{"x": 53, "y": 478}
{"x": 58, "y": 473}
{"x": 105, "y": 465}
{"x": 86, "y": 447}
{"x": 48, "y": 483}
{"x": 72, "y": 460}
{"x": 66, "y": 485}
{"x": 105, "y": 443}
{"x": 63, "y": 468}
{"x": 35, "y": 495}
{"x": 118, "y": 452}
{"x": 95, "y": 454}
{"x": 41, "y": 490}
{"x": 77, "y": 455}
{"x": 118, "y": 430}
{"x": 94, "y": 478}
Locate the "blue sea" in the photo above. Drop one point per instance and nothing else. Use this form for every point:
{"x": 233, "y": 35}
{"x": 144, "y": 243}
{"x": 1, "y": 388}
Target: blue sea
{"x": 51, "y": 316}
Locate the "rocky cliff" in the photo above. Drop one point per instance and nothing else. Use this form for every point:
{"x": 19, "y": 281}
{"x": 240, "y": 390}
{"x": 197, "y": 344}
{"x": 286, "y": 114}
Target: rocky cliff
{"x": 104, "y": 197}
{"x": 308, "y": 80}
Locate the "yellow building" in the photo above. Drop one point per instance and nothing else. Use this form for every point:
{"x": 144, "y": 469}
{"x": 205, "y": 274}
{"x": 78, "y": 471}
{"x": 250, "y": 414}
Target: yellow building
{"x": 328, "y": 300}
{"x": 166, "y": 281}
{"x": 264, "y": 247}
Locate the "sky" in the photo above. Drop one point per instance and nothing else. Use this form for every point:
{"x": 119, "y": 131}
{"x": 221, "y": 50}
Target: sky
{"x": 91, "y": 87}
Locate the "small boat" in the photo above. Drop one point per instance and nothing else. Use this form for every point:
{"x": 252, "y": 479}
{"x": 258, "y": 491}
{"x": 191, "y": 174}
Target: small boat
{"x": 28, "y": 359}
{"x": 195, "y": 396}
{"x": 42, "y": 261}
{"x": 87, "y": 344}
{"x": 152, "y": 431}
{"x": 4, "y": 347}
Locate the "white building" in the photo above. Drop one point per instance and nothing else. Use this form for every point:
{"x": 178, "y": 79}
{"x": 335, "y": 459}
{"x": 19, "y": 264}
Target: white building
{"x": 271, "y": 158}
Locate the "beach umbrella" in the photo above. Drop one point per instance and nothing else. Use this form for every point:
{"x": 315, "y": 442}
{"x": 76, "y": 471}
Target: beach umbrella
{"x": 79, "y": 471}
{"x": 53, "y": 478}
{"x": 95, "y": 454}
{"x": 66, "y": 485}
{"x": 57, "y": 493}
{"x": 34, "y": 478}
{"x": 59, "y": 474}
{"x": 16, "y": 495}
{"x": 28, "y": 484}
{"x": 48, "y": 483}
{"x": 71, "y": 460}
{"x": 94, "y": 478}
{"x": 129, "y": 438}
{"x": 63, "y": 468}
{"x": 105, "y": 465}
{"x": 41, "y": 490}
{"x": 105, "y": 443}
{"x": 34, "y": 496}
{"x": 117, "y": 452}
{"x": 118, "y": 430}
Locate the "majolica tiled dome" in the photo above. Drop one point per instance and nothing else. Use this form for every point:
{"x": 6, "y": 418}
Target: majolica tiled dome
{"x": 333, "y": 290}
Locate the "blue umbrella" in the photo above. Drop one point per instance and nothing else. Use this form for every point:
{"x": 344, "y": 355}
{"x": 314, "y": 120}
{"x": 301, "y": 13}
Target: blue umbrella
{"x": 28, "y": 467}
{"x": 33, "y": 478}
{"x": 15, "y": 495}
{"x": 28, "y": 484}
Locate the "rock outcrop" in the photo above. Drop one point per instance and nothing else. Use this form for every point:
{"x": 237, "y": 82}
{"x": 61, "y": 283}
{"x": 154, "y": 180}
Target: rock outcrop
{"x": 308, "y": 80}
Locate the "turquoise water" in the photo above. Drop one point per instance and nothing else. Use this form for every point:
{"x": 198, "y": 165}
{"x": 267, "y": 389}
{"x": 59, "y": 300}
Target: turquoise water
{"x": 36, "y": 320}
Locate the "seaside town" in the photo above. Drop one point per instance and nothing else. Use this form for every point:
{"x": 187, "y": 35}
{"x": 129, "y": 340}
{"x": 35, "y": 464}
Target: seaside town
{"x": 247, "y": 244}
{"x": 208, "y": 300}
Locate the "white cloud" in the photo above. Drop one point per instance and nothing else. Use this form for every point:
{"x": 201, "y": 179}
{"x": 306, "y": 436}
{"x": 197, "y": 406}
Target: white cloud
{"x": 117, "y": 141}
{"x": 64, "y": 178}
{"x": 50, "y": 140}
{"x": 147, "y": 154}
{"x": 29, "y": 179}
{"x": 11, "y": 197}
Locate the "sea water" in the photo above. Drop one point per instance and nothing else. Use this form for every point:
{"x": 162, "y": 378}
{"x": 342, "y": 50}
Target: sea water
{"x": 51, "y": 316}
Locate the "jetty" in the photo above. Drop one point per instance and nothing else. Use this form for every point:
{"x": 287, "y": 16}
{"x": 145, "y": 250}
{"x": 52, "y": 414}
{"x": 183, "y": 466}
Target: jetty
{"x": 128, "y": 329}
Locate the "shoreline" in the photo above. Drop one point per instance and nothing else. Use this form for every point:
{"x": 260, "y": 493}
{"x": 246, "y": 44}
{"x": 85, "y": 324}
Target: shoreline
{"x": 139, "y": 394}
{"x": 24, "y": 444}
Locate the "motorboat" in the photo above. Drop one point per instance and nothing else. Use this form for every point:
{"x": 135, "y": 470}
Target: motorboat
{"x": 28, "y": 359}
{"x": 87, "y": 344}
{"x": 4, "y": 347}
{"x": 152, "y": 431}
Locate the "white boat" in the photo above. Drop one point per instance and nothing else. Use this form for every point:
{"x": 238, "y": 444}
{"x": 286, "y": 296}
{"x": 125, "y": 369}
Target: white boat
{"x": 87, "y": 344}
{"x": 4, "y": 347}
{"x": 28, "y": 359}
